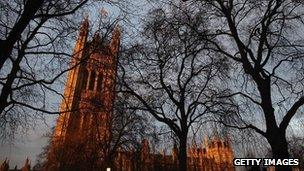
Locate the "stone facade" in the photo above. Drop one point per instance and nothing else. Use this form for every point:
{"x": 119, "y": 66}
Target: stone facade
{"x": 88, "y": 100}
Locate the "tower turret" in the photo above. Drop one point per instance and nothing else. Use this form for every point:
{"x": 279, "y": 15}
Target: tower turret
{"x": 71, "y": 84}
{"x": 81, "y": 40}
{"x": 175, "y": 153}
{"x": 5, "y": 165}
{"x": 115, "y": 40}
{"x": 87, "y": 106}
{"x": 27, "y": 165}
{"x": 206, "y": 141}
{"x": 145, "y": 150}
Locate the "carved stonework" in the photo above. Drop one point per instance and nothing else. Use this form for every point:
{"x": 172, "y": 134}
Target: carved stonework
{"x": 88, "y": 100}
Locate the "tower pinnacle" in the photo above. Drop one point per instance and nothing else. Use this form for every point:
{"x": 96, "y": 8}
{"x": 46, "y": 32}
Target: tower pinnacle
{"x": 84, "y": 26}
{"x": 115, "y": 40}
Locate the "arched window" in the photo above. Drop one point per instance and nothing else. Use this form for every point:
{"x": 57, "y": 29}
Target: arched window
{"x": 225, "y": 144}
{"x": 219, "y": 144}
{"x": 100, "y": 82}
{"x": 204, "y": 151}
{"x": 85, "y": 79}
{"x": 92, "y": 80}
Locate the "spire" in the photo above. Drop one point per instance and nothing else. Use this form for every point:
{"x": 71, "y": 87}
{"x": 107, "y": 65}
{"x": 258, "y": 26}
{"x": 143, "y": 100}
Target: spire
{"x": 206, "y": 141}
{"x": 175, "y": 152}
{"x": 116, "y": 33}
{"x": 97, "y": 38}
{"x": 163, "y": 152}
{"x": 27, "y": 161}
{"x": 82, "y": 38}
{"x": 5, "y": 165}
{"x": 27, "y": 165}
{"x": 145, "y": 149}
{"x": 84, "y": 26}
{"x": 115, "y": 43}
{"x": 145, "y": 146}
{"x": 216, "y": 135}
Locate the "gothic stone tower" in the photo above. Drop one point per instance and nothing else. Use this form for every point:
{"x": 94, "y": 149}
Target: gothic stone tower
{"x": 88, "y": 101}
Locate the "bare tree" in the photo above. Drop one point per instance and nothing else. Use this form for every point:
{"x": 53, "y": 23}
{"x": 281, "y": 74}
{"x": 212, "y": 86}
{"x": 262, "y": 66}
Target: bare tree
{"x": 263, "y": 42}
{"x": 171, "y": 75}
{"x": 33, "y": 36}
{"x": 35, "y": 52}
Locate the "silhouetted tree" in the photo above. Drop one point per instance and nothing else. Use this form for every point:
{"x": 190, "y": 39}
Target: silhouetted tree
{"x": 171, "y": 75}
{"x": 262, "y": 41}
{"x": 35, "y": 50}
{"x": 32, "y": 39}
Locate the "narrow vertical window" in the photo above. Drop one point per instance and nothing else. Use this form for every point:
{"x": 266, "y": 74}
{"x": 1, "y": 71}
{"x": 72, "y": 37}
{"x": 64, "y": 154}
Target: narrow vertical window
{"x": 85, "y": 79}
{"x": 100, "y": 82}
{"x": 219, "y": 144}
{"x": 92, "y": 80}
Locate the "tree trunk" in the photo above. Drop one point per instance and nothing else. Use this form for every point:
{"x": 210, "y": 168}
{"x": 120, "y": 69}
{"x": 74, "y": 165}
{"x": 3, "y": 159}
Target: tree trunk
{"x": 279, "y": 147}
{"x": 183, "y": 154}
{"x": 275, "y": 136}
{"x": 7, "y": 87}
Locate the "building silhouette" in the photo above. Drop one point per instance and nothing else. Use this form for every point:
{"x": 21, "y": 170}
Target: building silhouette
{"x": 212, "y": 155}
{"x": 86, "y": 111}
{"x": 5, "y": 166}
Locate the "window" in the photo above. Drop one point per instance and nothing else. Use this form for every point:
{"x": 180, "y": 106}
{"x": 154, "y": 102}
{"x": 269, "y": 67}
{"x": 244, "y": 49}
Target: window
{"x": 85, "y": 79}
{"x": 92, "y": 80}
{"x": 225, "y": 144}
{"x": 219, "y": 144}
{"x": 100, "y": 82}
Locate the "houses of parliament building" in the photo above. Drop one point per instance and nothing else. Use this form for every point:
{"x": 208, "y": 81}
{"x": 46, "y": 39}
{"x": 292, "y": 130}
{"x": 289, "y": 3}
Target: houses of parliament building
{"x": 87, "y": 107}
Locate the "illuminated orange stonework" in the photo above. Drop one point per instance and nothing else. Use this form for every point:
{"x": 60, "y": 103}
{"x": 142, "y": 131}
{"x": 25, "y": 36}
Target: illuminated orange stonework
{"x": 88, "y": 97}
{"x": 87, "y": 107}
